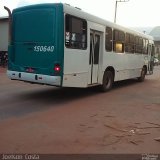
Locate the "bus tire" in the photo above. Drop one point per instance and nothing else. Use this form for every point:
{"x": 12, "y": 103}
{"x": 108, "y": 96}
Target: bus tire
{"x": 107, "y": 81}
{"x": 143, "y": 74}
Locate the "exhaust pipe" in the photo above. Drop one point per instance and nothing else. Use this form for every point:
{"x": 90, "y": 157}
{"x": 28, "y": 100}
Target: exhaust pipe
{"x": 10, "y": 24}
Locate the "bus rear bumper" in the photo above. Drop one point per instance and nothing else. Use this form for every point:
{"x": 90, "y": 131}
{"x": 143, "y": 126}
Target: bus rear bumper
{"x": 34, "y": 78}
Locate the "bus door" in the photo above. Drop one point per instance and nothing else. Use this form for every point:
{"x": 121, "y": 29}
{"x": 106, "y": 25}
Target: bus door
{"x": 150, "y": 59}
{"x": 94, "y": 56}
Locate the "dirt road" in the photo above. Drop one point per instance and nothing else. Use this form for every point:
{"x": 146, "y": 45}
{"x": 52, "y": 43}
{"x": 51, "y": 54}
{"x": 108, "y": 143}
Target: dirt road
{"x": 43, "y": 119}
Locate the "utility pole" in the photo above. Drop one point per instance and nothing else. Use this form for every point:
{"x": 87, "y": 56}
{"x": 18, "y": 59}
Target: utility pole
{"x": 115, "y": 16}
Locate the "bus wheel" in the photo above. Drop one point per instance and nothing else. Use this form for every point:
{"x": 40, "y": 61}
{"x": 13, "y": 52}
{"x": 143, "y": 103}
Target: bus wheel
{"x": 107, "y": 81}
{"x": 143, "y": 74}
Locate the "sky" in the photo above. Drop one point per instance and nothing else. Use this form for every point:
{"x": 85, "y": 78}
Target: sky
{"x": 134, "y": 13}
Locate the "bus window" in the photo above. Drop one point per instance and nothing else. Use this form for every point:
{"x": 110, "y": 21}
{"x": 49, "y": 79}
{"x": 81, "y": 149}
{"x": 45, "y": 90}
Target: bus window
{"x": 129, "y": 43}
{"x": 138, "y": 45}
{"x": 119, "y": 39}
{"x": 96, "y": 49}
{"x": 153, "y": 50}
{"x": 75, "y": 32}
{"x": 145, "y": 44}
{"x": 108, "y": 43}
{"x": 119, "y": 47}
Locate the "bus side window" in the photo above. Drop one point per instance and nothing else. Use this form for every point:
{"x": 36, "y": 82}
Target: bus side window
{"x": 119, "y": 39}
{"x": 108, "y": 39}
{"x": 141, "y": 45}
{"x": 138, "y": 45}
{"x": 129, "y": 43}
{"x": 75, "y": 32}
{"x": 153, "y": 50}
{"x": 119, "y": 47}
{"x": 146, "y": 46}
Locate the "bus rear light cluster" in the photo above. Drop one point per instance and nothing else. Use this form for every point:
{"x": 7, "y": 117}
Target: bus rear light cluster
{"x": 57, "y": 68}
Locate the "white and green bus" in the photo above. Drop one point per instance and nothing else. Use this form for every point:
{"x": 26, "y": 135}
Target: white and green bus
{"x": 59, "y": 45}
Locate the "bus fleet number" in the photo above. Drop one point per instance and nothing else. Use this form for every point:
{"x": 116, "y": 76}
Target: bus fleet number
{"x": 43, "y": 48}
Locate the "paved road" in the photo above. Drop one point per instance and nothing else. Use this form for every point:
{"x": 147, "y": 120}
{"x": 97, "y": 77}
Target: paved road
{"x": 44, "y": 119}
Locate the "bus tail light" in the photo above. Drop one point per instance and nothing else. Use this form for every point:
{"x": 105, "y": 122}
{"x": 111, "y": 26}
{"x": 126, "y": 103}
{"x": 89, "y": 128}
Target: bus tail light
{"x": 57, "y": 68}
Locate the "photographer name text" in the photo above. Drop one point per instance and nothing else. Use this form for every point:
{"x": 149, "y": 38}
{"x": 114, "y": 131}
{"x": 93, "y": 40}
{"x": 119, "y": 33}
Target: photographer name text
{"x": 20, "y": 157}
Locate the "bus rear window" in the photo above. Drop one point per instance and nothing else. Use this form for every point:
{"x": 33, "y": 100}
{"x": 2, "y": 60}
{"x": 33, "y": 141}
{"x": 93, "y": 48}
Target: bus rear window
{"x": 75, "y": 32}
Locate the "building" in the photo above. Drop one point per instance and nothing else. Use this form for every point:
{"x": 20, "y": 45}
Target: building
{"x": 4, "y": 25}
{"x": 156, "y": 34}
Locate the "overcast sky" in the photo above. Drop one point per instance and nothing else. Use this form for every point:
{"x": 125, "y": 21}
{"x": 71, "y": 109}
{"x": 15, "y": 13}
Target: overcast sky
{"x": 141, "y": 13}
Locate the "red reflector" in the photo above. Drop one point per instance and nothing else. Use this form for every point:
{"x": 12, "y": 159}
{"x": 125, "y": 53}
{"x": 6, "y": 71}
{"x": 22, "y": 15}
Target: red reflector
{"x": 30, "y": 70}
